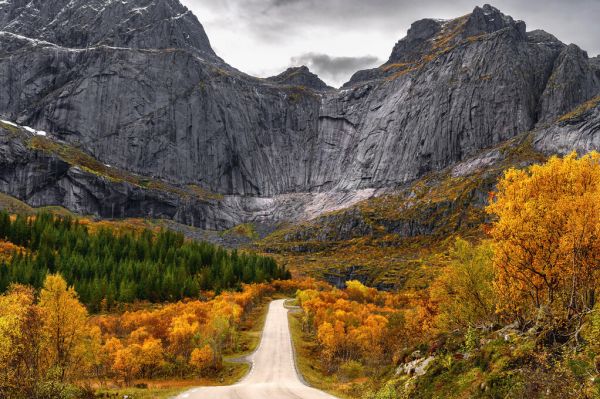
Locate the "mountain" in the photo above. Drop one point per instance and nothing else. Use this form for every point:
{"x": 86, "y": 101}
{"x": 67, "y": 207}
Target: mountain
{"x": 141, "y": 118}
{"x": 300, "y": 76}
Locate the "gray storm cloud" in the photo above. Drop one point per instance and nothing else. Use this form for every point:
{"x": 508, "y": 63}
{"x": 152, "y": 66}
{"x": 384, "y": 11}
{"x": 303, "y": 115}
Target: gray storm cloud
{"x": 335, "y": 69}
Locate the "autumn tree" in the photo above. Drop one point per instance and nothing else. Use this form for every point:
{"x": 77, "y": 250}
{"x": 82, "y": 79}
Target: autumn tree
{"x": 326, "y": 336}
{"x": 220, "y": 330}
{"x": 64, "y": 326}
{"x": 183, "y": 331}
{"x": 370, "y": 337}
{"x": 20, "y": 327}
{"x": 127, "y": 362}
{"x": 547, "y": 234}
{"x": 358, "y": 292}
{"x": 151, "y": 356}
{"x": 358, "y": 324}
{"x": 44, "y": 345}
{"x": 202, "y": 358}
{"x": 464, "y": 291}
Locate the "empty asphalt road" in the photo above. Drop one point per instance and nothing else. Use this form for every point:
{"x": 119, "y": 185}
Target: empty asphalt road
{"x": 273, "y": 374}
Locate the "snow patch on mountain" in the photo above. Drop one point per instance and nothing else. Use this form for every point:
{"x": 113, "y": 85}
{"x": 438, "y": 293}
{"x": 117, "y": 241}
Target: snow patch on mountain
{"x": 27, "y": 128}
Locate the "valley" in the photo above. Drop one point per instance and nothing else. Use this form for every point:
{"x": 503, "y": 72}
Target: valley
{"x": 173, "y": 227}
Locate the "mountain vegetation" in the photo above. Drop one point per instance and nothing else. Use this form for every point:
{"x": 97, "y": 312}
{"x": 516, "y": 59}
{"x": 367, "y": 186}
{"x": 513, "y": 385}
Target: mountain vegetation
{"x": 107, "y": 267}
{"x": 513, "y": 315}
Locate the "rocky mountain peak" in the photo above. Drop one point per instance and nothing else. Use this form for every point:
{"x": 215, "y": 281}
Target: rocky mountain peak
{"x": 540, "y": 36}
{"x": 417, "y": 40}
{"x": 488, "y": 19}
{"x": 143, "y": 24}
{"x": 300, "y": 76}
{"x": 428, "y": 35}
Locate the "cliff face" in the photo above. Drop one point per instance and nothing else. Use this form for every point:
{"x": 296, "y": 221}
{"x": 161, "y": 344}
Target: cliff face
{"x": 142, "y": 90}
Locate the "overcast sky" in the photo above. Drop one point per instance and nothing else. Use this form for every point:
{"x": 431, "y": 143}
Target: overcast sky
{"x": 335, "y": 38}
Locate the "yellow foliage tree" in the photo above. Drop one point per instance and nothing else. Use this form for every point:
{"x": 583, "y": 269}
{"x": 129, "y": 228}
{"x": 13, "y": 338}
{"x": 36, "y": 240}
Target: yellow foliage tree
{"x": 20, "y": 326}
{"x": 90, "y": 352}
{"x": 181, "y": 335}
{"x": 220, "y": 331}
{"x": 8, "y": 249}
{"x": 139, "y": 335}
{"x": 547, "y": 233}
{"x": 370, "y": 336}
{"x": 65, "y": 326}
{"x": 151, "y": 356}
{"x": 357, "y": 291}
{"x": 202, "y": 358}
{"x": 127, "y": 362}
{"x": 326, "y": 337}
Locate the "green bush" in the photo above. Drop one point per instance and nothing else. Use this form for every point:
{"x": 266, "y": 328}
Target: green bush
{"x": 350, "y": 370}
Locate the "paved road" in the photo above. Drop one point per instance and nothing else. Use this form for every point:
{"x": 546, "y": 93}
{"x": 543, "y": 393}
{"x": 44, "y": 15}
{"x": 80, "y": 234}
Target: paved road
{"x": 273, "y": 374}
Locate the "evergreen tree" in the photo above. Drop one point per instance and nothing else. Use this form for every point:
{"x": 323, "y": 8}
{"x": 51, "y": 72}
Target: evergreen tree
{"x": 108, "y": 267}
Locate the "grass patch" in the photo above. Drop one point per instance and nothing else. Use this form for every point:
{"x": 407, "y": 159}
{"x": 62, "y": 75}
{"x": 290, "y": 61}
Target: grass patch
{"x": 246, "y": 230}
{"x": 141, "y": 393}
{"x": 7, "y": 126}
{"x": 205, "y": 194}
{"x": 232, "y": 372}
{"x": 251, "y": 330}
{"x": 13, "y": 205}
{"x": 580, "y": 110}
{"x": 77, "y": 157}
{"x": 58, "y": 210}
{"x": 168, "y": 388}
{"x": 296, "y": 94}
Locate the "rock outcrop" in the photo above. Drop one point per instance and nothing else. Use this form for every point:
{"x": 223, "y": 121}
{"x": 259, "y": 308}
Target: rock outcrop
{"x": 300, "y": 76}
{"x": 142, "y": 90}
{"x": 573, "y": 79}
{"x": 577, "y": 131}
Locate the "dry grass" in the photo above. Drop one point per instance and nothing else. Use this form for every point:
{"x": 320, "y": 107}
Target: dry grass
{"x": 580, "y": 109}
{"x": 445, "y": 40}
{"x": 168, "y": 388}
{"x": 246, "y": 230}
{"x": 13, "y": 205}
{"x": 205, "y": 194}
{"x": 140, "y": 393}
{"x": 251, "y": 330}
{"x": 76, "y": 157}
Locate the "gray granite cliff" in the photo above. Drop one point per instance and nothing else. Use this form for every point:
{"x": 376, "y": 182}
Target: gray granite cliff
{"x": 136, "y": 85}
